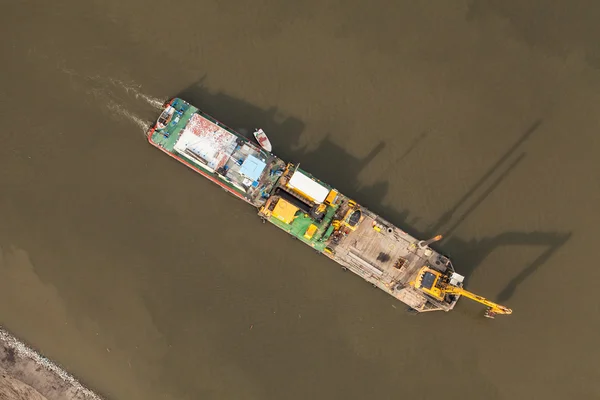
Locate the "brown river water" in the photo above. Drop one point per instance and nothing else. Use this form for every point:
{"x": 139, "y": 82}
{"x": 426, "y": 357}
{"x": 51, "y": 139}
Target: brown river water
{"x": 478, "y": 120}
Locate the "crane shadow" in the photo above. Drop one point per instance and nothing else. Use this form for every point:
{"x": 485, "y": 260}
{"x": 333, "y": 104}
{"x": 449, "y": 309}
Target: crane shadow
{"x": 468, "y": 255}
{"x": 447, "y": 216}
{"x": 333, "y": 163}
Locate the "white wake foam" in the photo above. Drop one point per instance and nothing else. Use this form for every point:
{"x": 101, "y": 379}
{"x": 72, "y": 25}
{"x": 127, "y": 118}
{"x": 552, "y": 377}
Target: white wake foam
{"x": 135, "y": 90}
{"x": 144, "y": 125}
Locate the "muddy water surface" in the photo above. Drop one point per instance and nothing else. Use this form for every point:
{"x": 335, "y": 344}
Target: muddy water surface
{"x": 478, "y": 120}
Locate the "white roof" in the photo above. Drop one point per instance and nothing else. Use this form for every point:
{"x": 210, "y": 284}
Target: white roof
{"x": 211, "y": 142}
{"x": 306, "y": 185}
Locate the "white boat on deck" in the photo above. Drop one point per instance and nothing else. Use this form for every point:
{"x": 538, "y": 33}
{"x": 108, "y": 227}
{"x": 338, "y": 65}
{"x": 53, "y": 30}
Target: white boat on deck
{"x": 263, "y": 140}
{"x": 165, "y": 117}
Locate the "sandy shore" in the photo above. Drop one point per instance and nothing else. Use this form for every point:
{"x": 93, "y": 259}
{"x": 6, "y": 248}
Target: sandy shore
{"x": 25, "y": 374}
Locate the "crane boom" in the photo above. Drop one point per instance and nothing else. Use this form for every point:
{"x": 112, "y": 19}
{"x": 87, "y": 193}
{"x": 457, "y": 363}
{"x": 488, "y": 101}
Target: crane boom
{"x": 437, "y": 285}
{"x": 493, "y": 308}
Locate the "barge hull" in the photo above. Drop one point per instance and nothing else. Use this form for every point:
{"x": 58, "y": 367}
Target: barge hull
{"x": 306, "y": 208}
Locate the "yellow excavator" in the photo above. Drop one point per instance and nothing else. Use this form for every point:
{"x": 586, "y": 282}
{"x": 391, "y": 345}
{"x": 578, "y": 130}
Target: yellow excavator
{"x": 439, "y": 285}
{"x": 351, "y": 219}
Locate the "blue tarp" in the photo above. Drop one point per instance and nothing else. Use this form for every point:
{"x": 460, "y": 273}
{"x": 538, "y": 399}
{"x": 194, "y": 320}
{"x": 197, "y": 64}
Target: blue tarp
{"x": 252, "y": 168}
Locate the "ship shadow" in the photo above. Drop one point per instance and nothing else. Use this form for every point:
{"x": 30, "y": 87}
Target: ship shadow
{"x": 244, "y": 117}
{"x": 332, "y": 163}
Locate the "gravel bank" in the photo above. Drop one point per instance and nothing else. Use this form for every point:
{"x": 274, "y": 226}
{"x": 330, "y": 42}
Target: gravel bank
{"x": 27, "y": 375}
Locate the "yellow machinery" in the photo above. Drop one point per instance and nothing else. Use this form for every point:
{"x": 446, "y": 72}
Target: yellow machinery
{"x": 331, "y": 197}
{"x": 351, "y": 219}
{"x": 285, "y": 211}
{"x": 321, "y": 208}
{"x": 310, "y": 232}
{"x": 437, "y": 285}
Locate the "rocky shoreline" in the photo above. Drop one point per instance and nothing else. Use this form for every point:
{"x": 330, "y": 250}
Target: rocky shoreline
{"x": 27, "y": 375}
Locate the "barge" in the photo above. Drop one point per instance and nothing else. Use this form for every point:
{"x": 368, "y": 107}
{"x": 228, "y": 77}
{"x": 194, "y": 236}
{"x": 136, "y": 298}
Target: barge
{"x": 313, "y": 211}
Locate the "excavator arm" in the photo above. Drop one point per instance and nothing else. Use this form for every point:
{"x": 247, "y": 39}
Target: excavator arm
{"x": 493, "y": 308}
{"x": 438, "y": 286}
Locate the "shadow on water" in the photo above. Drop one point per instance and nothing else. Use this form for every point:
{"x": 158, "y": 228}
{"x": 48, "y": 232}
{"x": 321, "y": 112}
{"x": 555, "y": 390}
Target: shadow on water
{"x": 285, "y": 133}
{"x": 467, "y": 255}
{"x": 411, "y": 147}
{"x": 447, "y": 217}
{"x": 242, "y": 116}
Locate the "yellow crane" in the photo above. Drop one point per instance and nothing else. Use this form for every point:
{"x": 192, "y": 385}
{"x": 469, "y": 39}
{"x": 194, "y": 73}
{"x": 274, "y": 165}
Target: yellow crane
{"x": 437, "y": 285}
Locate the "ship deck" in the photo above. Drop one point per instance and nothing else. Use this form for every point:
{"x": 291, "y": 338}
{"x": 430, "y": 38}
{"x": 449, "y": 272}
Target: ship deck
{"x": 374, "y": 249}
{"x": 218, "y": 153}
{"x": 389, "y": 258}
{"x": 299, "y": 226}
